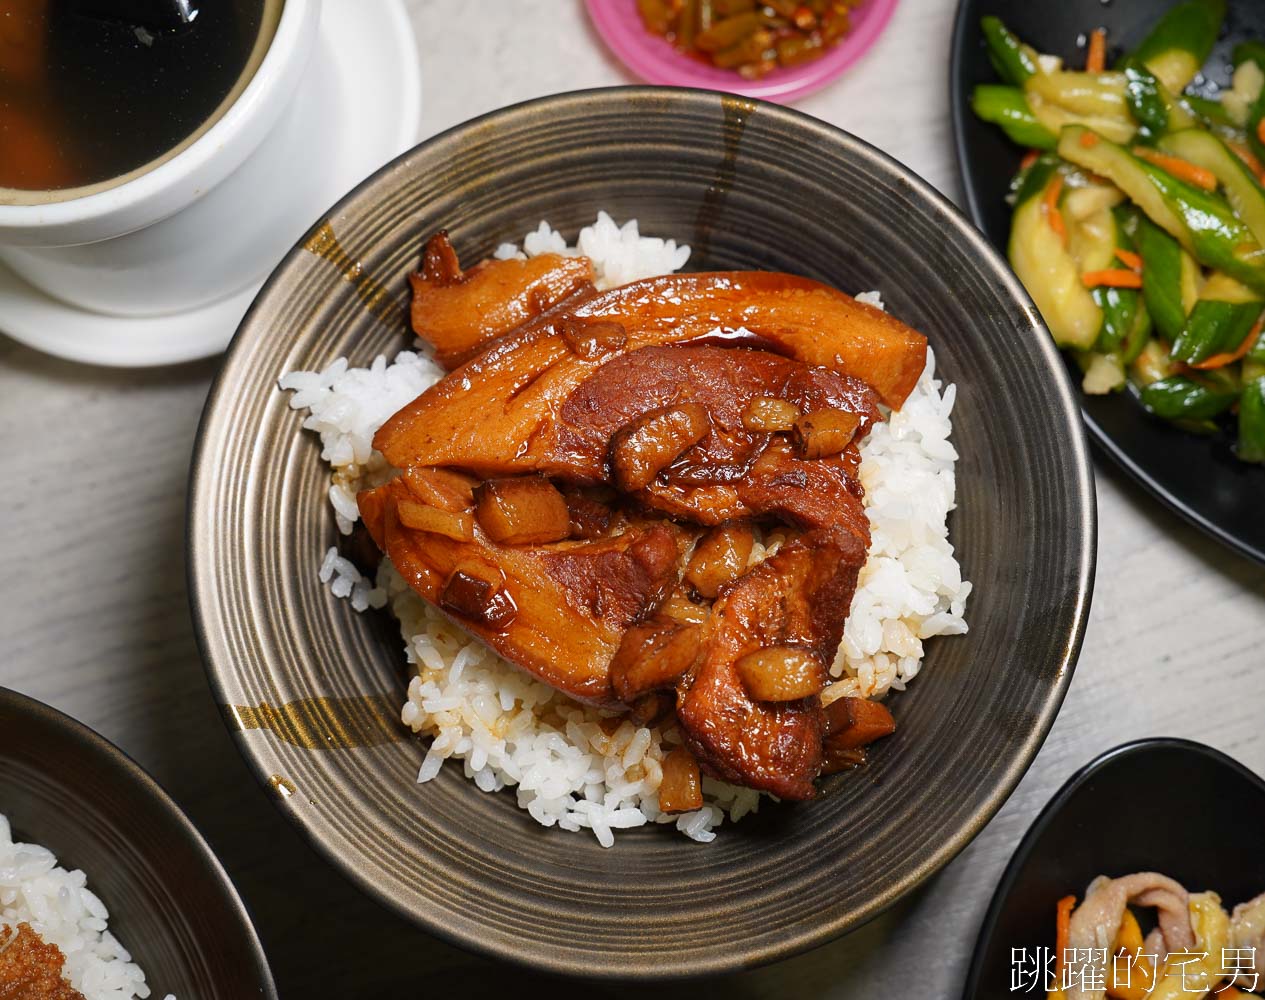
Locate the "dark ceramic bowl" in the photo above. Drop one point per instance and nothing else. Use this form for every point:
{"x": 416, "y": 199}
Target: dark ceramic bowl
{"x": 170, "y": 901}
{"x": 1197, "y": 477}
{"x": 1123, "y": 813}
{"x": 748, "y": 185}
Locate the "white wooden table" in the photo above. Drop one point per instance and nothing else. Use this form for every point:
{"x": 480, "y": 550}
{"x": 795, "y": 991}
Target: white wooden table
{"x": 94, "y": 619}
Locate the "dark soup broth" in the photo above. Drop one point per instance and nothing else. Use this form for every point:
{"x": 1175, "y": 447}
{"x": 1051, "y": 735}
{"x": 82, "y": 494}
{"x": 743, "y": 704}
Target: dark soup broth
{"x": 95, "y": 92}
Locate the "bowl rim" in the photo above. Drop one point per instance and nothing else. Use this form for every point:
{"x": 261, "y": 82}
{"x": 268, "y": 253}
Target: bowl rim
{"x": 127, "y": 771}
{"x": 1079, "y": 467}
{"x": 958, "y": 104}
{"x": 1066, "y": 791}
{"x": 664, "y": 65}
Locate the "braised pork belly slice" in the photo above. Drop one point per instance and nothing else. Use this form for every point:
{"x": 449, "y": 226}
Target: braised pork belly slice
{"x": 666, "y": 425}
{"x": 457, "y": 312}
{"x": 515, "y": 389}
{"x": 557, "y": 610}
{"x": 797, "y": 600}
{"x": 587, "y": 494}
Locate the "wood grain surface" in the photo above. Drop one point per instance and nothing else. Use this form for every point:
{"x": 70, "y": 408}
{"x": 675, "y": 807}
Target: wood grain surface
{"x": 94, "y": 618}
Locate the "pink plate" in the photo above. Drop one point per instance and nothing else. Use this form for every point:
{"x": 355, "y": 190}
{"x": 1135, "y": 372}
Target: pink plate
{"x": 656, "y": 61}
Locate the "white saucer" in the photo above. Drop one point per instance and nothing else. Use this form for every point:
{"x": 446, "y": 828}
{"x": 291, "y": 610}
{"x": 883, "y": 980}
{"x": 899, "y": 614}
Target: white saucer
{"x": 368, "y": 65}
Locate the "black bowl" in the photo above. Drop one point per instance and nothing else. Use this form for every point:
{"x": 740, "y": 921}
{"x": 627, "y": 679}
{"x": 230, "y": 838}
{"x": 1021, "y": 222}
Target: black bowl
{"x": 170, "y": 901}
{"x": 1124, "y": 813}
{"x": 1197, "y": 477}
{"x": 748, "y": 185}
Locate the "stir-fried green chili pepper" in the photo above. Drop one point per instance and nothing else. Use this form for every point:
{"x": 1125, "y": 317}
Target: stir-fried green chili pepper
{"x": 1008, "y": 107}
{"x": 1251, "y": 446}
{"x": 1221, "y": 320}
{"x": 1153, "y": 106}
{"x": 1242, "y": 190}
{"x": 1148, "y": 107}
{"x": 1013, "y": 60}
{"x": 1212, "y": 112}
{"x": 1180, "y": 397}
{"x": 1180, "y": 42}
{"x": 1202, "y": 222}
{"x": 1169, "y": 278}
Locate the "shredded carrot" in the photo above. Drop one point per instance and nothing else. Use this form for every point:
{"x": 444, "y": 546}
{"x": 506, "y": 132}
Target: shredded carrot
{"x": 1051, "y": 203}
{"x": 1221, "y": 360}
{"x": 1088, "y": 139}
{"x": 1249, "y": 158}
{"x": 1062, "y": 930}
{"x": 1096, "y": 59}
{"x": 1260, "y": 130}
{"x": 1183, "y": 170}
{"x": 1029, "y": 159}
{"x": 1129, "y": 259}
{"x": 1114, "y": 277}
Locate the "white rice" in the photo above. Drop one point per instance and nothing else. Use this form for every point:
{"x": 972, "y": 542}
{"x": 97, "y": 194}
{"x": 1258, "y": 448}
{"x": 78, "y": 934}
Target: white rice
{"x": 571, "y": 765}
{"x": 64, "y": 912}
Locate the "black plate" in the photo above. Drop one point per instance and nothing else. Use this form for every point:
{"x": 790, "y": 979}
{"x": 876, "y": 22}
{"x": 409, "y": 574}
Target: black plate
{"x": 170, "y": 902}
{"x": 1197, "y": 477}
{"x": 1123, "y": 813}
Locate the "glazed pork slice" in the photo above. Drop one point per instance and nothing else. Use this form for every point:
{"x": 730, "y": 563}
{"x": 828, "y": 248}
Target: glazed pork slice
{"x": 524, "y": 378}
{"x": 686, "y": 429}
{"x": 586, "y": 494}
{"x": 557, "y": 610}
{"x": 458, "y": 311}
{"x": 794, "y": 602}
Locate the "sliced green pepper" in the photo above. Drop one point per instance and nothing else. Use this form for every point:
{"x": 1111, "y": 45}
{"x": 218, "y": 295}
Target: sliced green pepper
{"x": 1212, "y": 112}
{"x": 1179, "y": 397}
{"x": 1119, "y": 313}
{"x": 1149, "y": 109}
{"x": 1180, "y": 42}
{"x": 1008, "y": 107}
{"x": 1169, "y": 278}
{"x": 1031, "y": 182}
{"x": 1221, "y": 320}
{"x": 1137, "y": 339}
{"x": 1013, "y": 60}
{"x": 1242, "y": 190}
{"x": 1153, "y": 106}
{"x": 1203, "y": 222}
{"x": 1251, "y": 446}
